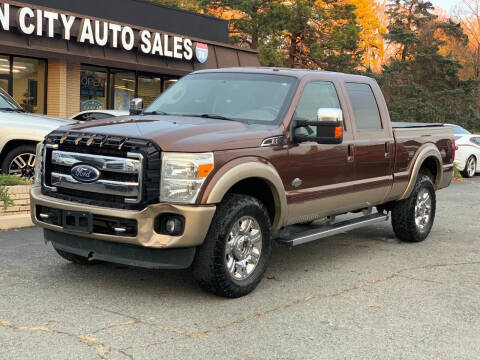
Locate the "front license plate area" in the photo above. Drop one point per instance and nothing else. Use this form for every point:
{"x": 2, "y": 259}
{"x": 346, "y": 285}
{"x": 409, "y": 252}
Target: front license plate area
{"x": 78, "y": 221}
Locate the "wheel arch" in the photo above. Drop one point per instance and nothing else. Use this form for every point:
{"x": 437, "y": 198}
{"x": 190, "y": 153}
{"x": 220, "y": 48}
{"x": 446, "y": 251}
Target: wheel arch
{"x": 13, "y": 143}
{"x": 250, "y": 176}
{"x": 430, "y": 159}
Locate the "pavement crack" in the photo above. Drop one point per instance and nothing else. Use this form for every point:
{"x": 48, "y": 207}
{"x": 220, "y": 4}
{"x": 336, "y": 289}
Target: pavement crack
{"x": 290, "y": 304}
{"x": 135, "y": 320}
{"x": 101, "y": 349}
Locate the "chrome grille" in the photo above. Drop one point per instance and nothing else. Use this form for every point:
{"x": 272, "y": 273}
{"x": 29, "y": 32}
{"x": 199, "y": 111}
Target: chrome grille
{"x": 112, "y": 155}
{"x": 63, "y": 161}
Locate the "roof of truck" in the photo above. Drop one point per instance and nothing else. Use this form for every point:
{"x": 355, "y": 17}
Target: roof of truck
{"x": 299, "y": 73}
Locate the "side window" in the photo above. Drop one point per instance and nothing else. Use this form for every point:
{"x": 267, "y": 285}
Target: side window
{"x": 81, "y": 117}
{"x": 315, "y": 95}
{"x": 92, "y": 116}
{"x": 98, "y": 116}
{"x": 364, "y": 106}
{"x": 475, "y": 140}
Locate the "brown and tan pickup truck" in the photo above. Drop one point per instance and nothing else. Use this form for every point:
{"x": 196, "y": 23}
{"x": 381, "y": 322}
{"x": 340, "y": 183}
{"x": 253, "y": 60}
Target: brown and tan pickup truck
{"x": 228, "y": 161}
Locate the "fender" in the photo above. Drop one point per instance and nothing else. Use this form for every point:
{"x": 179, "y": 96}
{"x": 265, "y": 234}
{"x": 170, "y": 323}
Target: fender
{"x": 424, "y": 152}
{"x": 4, "y": 140}
{"x": 244, "y": 168}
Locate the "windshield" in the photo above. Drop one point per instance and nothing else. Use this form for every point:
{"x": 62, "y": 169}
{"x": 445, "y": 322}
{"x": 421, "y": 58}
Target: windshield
{"x": 459, "y": 130}
{"x": 228, "y": 96}
{"x": 7, "y": 102}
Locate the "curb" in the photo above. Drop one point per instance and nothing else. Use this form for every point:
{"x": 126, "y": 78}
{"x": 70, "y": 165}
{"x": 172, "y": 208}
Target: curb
{"x": 10, "y": 222}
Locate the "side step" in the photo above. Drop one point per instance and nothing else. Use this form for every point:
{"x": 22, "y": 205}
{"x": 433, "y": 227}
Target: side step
{"x": 323, "y": 231}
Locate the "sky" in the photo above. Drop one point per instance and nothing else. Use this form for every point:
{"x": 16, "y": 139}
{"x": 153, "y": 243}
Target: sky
{"x": 445, "y": 4}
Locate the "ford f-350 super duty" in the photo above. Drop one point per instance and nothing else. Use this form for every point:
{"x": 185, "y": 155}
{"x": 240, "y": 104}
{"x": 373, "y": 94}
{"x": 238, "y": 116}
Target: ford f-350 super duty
{"x": 228, "y": 161}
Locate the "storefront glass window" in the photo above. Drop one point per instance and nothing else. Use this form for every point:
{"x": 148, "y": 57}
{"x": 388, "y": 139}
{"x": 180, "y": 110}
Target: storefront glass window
{"x": 93, "y": 86}
{"x": 123, "y": 89}
{"x": 106, "y": 88}
{"x": 29, "y": 83}
{"x": 4, "y": 72}
{"x": 149, "y": 88}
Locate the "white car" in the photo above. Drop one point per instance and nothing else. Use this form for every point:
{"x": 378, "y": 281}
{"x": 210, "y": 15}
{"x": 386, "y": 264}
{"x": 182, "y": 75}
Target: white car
{"x": 467, "y": 154}
{"x": 98, "y": 114}
{"x": 19, "y": 134}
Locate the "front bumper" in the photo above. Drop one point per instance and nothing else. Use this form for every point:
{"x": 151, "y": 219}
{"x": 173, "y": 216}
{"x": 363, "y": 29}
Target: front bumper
{"x": 179, "y": 258}
{"x": 197, "y": 221}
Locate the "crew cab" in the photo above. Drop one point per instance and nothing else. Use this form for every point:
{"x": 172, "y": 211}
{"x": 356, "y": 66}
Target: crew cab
{"x": 228, "y": 161}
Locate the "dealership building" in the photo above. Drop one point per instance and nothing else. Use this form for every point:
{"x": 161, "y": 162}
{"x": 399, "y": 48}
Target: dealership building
{"x": 59, "y": 57}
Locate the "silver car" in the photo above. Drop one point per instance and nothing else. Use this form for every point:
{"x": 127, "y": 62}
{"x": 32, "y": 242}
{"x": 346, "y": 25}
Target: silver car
{"x": 19, "y": 134}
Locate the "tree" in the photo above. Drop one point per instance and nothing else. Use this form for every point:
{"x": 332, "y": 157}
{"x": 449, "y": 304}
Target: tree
{"x": 321, "y": 35}
{"x": 468, "y": 12}
{"x": 370, "y": 18}
{"x": 190, "y": 5}
{"x": 420, "y": 84}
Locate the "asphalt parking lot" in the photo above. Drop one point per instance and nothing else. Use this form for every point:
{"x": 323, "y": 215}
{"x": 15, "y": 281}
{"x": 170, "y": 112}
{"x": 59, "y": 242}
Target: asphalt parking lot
{"x": 361, "y": 295}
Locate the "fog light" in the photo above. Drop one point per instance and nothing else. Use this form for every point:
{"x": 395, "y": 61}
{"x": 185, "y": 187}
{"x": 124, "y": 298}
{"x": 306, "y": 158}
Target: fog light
{"x": 170, "y": 224}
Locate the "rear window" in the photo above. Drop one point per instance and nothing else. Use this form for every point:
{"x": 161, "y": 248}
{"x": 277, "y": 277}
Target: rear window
{"x": 364, "y": 106}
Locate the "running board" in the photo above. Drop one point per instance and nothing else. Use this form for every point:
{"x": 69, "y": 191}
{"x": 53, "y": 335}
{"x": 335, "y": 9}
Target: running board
{"x": 329, "y": 230}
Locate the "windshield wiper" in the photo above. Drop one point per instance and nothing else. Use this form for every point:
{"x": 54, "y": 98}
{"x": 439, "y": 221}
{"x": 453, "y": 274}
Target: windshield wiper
{"x": 156, "y": 113}
{"x": 210, "y": 116}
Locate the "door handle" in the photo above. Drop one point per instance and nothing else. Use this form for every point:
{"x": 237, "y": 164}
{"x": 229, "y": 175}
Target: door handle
{"x": 387, "y": 149}
{"x": 350, "y": 152}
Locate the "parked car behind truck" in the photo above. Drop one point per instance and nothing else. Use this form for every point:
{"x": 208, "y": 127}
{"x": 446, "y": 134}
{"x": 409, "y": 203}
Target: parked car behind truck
{"x": 226, "y": 162}
{"x": 19, "y": 134}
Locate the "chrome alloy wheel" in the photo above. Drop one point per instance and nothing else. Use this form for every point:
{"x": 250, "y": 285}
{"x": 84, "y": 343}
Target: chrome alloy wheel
{"x": 471, "y": 166}
{"x": 243, "y": 248}
{"x": 23, "y": 165}
{"x": 423, "y": 209}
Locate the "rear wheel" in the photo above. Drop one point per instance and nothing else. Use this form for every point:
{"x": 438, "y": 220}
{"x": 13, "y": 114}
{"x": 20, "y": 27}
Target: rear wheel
{"x": 470, "y": 167}
{"x": 412, "y": 218}
{"x": 232, "y": 260}
{"x": 76, "y": 259}
{"x": 20, "y": 161}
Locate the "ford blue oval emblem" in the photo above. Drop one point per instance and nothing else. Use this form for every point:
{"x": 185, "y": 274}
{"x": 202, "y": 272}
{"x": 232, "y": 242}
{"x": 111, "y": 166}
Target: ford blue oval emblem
{"x": 85, "y": 173}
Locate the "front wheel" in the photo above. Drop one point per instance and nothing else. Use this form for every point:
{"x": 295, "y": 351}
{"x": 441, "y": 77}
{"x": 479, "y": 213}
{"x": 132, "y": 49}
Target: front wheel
{"x": 470, "y": 167}
{"x": 412, "y": 218}
{"x": 232, "y": 260}
{"x": 20, "y": 161}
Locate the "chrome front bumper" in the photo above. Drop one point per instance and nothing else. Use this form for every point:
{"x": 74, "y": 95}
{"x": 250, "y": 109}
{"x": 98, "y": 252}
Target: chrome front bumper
{"x": 197, "y": 221}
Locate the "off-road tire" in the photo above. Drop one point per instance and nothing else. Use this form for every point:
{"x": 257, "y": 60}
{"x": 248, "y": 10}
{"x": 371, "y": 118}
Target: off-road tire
{"x": 209, "y": 266}
{"x": 465, "y": 173}
{"x": 76, "y": 259}
{"x": 12, "y": 154}
{"x": 403, "y": 213}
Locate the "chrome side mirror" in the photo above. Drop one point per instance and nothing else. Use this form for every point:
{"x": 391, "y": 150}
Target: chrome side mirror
{"x": 327, "y": 129}
{"x": 136, "y": 106}
{"x": 329, "y": 115}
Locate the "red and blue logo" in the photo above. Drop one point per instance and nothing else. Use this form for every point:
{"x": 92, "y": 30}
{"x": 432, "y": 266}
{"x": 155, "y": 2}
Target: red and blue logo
{"x": 201, "y": 52}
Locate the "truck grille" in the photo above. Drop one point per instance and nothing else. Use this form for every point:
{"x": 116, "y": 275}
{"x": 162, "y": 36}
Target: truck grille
{"x": 129, "y": 170}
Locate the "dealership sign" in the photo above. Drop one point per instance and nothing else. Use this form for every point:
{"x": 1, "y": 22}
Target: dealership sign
{"x": 97, "y": 32}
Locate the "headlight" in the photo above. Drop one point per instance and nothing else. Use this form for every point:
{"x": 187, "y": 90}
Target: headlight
{"x": 38, "y": 164}
{"x": 183, "y": 175}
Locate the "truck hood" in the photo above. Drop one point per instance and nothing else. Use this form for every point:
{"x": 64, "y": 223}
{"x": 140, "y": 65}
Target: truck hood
{"x": 179, "y": 133}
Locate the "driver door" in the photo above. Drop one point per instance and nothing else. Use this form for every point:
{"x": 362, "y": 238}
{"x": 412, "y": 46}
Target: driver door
{"x": 320, "y": 175}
